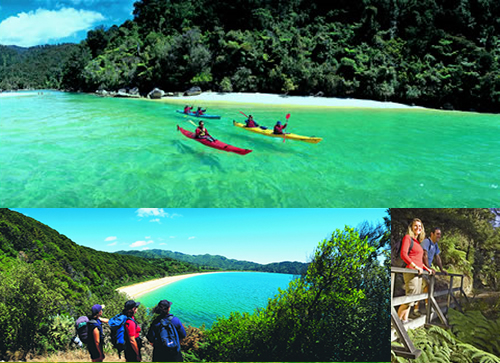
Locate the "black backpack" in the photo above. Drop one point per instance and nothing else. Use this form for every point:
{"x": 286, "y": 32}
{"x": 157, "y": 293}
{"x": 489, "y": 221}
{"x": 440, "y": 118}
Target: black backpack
{"x": 396, "y": 258}
{"x": 168, "y": 336}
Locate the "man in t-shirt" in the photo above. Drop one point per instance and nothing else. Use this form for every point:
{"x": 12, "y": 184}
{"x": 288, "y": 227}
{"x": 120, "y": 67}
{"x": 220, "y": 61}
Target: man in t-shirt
{"x": 431, "y": 251}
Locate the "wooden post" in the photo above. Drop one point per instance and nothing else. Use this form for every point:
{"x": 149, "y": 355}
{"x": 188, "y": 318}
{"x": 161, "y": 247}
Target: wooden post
{"x": 428, "y": 309}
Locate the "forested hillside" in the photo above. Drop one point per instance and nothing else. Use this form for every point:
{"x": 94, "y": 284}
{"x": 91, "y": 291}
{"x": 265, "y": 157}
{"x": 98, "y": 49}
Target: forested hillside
{"x": 427, "y": 52}
{"x": 221, "y": 262}
{"x": 36, "y": 67}
{"x": 44, "y": 274}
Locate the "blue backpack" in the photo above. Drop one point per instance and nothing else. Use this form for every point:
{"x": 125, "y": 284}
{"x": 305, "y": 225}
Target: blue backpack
{"x": 168, "y": 335}
{"x": 117, "y": 325}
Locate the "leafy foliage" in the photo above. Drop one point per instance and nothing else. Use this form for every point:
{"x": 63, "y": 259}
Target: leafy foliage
{"x": 332, "y": 313}
{"x": 439, "y": 345}
{"x": 435, "y": 54}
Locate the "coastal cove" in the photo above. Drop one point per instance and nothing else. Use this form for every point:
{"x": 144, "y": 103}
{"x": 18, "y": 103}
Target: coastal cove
{"x": 78, "y": 150}
{"x": 202, "y": 298}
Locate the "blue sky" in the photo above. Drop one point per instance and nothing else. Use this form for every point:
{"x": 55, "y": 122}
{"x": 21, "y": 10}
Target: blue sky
{"x": 258, "y": 235}
{"x": 28, "y": 23}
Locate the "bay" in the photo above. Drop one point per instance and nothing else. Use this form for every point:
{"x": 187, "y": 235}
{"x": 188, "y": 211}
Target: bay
{"x": 202, "y": 299}
{"x": 76, "y": 150}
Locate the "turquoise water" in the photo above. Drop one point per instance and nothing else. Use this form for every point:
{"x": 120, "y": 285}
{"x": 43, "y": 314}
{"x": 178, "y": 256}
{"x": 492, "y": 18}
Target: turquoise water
{"x": 202, "y": 299}
{"x": 74, "y": 150}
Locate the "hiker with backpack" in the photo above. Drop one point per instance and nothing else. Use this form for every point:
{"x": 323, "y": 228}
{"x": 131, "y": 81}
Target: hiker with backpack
{"x": 413, "y": 254}
{"x": 165, "y": 334}
{"x": 133, "y": 343}
{"x": 95, "y": 334}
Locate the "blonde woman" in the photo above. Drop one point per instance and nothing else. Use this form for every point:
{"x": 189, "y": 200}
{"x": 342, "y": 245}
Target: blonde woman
{"x": 412, "y": 254}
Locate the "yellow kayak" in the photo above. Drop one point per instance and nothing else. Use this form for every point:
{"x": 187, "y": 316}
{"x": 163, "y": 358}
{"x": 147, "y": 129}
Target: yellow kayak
{"x": 269, "y": 132}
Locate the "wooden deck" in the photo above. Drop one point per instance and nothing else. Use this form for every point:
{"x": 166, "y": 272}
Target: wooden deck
{"x": 435, "y": 312}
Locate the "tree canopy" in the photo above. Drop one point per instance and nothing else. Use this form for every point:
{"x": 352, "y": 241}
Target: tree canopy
{"x": 430, "y": 53}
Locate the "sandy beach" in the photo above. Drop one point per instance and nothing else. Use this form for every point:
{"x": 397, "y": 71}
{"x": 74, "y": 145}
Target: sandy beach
{"x": 274, "y": 99}
{"x": 136, "y": 290}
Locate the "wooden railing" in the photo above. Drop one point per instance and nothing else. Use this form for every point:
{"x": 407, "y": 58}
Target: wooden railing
{"x": 433, "y": 309}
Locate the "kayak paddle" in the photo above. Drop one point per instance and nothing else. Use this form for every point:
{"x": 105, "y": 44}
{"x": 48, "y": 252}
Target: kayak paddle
{"x": 284, "y": 133}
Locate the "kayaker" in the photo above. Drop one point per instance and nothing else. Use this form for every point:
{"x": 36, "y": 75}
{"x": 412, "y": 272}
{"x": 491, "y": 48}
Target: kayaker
{"x": 200, "y": 112}
{"x": 278, "y": 128}
{"x": 187, "y": 109}
{"x": 202, "y": 133}
{"x": 250, "y": 122}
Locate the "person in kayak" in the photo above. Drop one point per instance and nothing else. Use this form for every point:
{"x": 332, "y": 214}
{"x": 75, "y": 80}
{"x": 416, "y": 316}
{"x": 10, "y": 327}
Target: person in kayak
{"x": 250, "y": 122}
{"x": 200, "y": 112}
{"x": 187, "y": 109}
{"x": 278, "y": 128}
{"x": 202, "y": 133}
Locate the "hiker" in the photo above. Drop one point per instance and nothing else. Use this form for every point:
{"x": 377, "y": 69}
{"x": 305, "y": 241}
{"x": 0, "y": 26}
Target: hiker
{"x": 278, "y": 128}
{"x": 431, "y": 250}
{"x": 250, "y": 122}
{"x": 95, "y": 339}
{"x": 133, "y": 342}
{"x": 412, "y": 254}
{"x": 165, "y": 334}
{"x": 202, "y": 133}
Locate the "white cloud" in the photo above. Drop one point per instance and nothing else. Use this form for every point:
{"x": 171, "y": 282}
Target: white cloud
{"x": 113, "y": 244}
{"x": 141, "y": 243}
{"x": 156, "y": 220}
{"x": 155, "y": 212}
{"x": 145, "y": 248}
{"x": 163, "y": 244}
{"x": 147, "y": 237}
{"x": 191, "y": 237}
{"x": 111, "y": 238}
{"x": 146, "y": 212}
{"x": 41, "y": 26}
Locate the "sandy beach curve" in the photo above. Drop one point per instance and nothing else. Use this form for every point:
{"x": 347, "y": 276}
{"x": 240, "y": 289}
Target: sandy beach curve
{"x": 275, "y": 99}
{"x": 136, "y": 290}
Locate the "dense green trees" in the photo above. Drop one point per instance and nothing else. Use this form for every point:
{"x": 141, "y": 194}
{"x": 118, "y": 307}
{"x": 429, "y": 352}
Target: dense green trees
{"x": 332, "y": 313}
{"x": 431, "y": 53}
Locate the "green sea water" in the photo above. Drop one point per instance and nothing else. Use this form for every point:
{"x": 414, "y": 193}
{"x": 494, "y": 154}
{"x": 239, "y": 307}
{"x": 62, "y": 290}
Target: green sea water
{"x": 76, "y": 150}
{"x": 202, "y": 299}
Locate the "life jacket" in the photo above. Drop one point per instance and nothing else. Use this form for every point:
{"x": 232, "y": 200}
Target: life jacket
{"x": 201, "y": 132}
{"x": 251, "y": 123}
{"x": 278, "y": 129}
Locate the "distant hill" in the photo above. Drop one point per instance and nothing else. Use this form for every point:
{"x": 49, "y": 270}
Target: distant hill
{"x": 221, "y": 262}
{"x": 35, "y": 67}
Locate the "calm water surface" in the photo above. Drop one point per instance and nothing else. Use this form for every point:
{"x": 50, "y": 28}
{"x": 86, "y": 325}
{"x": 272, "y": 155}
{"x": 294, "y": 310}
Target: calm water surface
{"x": 71, "y": 150}
{"x": 202, "y": 299}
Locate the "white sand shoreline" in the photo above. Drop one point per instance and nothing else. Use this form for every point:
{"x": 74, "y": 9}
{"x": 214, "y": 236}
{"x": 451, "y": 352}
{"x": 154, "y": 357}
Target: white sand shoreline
{"x": 275, "y": 99}
{"x": 136, "y": 290}
{"x": 265, "y": 99}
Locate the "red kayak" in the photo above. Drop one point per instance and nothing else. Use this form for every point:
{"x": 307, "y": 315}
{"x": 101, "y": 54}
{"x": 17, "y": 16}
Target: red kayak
{"x": 215, "y": 144}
